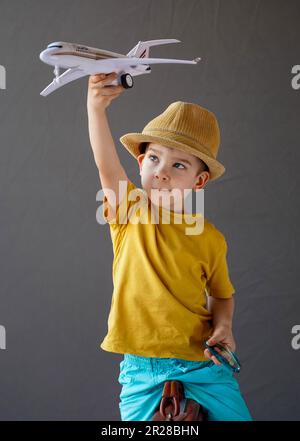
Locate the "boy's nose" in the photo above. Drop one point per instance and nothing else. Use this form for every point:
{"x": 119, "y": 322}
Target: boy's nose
{"x": 161, "y": 175}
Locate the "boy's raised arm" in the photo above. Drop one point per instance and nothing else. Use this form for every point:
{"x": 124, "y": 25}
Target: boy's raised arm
{"x": 106, "y": 157}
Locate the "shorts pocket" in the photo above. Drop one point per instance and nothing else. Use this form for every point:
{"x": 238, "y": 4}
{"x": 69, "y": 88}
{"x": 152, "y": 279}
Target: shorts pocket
{"x": 127, "y": 373}
{"x": 223, "y": 369}
{"x": 124, "y": 378}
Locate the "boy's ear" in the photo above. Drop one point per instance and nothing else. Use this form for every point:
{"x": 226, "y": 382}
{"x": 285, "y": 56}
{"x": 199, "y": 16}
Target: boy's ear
{"x": 140, "y": 159}
{"x": 202, "y": 180}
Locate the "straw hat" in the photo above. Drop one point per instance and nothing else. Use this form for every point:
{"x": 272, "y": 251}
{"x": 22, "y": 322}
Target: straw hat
{"x": 184, "y": 126}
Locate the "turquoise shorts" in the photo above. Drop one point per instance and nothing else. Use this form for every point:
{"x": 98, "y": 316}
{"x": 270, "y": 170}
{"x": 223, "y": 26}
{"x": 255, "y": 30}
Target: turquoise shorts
{"x": 213, "y": 386}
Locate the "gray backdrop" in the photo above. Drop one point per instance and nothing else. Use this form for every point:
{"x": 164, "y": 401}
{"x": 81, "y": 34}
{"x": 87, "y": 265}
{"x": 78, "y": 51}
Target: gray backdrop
{"x": 56, "y": 274}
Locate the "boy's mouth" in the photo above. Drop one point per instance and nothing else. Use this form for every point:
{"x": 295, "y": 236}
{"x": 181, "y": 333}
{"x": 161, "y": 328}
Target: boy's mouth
{"x": 162, "y": 189}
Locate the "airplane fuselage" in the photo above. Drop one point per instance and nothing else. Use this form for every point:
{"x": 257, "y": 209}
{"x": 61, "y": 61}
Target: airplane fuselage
{"x": 68, "y": 55}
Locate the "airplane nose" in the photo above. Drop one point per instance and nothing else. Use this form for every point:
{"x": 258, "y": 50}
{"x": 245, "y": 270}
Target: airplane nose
{"x": 45, "y": 55}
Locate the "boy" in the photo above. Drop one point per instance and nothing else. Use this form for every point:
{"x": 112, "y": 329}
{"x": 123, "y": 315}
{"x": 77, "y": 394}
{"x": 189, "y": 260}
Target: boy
{"x": 160, "y": 316}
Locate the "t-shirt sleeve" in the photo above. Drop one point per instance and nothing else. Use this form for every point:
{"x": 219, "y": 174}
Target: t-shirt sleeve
{"x": 132, "y": 201}
{"x": 121, "y": 217}
{"x": 219, "y": 284}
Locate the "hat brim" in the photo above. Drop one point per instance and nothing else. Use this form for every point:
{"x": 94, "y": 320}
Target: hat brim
{"x": 132, "y": 141}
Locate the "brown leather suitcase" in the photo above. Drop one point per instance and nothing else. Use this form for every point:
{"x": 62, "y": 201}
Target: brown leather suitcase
{"x": 175, "y": 407}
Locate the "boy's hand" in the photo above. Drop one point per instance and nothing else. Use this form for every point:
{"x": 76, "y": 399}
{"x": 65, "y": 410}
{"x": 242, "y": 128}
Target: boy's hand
{"x": 224, "y": 336}
{"x": 100, "y": 94}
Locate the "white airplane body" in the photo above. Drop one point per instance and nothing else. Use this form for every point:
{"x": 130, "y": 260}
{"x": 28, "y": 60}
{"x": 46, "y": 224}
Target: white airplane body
{"x": 79, "y": 61}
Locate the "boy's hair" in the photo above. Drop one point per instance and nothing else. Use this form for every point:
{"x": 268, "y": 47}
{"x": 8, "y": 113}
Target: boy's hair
{"x": 203, "y": 166}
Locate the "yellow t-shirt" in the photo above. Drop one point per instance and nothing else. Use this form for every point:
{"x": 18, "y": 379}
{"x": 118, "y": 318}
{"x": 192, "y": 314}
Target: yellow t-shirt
{"x": 160, "y": 275}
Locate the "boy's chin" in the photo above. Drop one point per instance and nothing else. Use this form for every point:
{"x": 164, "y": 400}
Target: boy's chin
{"x": 166, "y": 204}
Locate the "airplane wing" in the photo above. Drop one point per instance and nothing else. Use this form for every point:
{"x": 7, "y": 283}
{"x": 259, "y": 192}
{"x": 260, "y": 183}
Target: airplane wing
{"x": 65, "y": 78}
{"x": 163, "y": 60}
{"x": 130, "y": 64}
{"x": 130, "y": 61}
{"x": 142, "y": 49}
{"x": 127, "y": 64}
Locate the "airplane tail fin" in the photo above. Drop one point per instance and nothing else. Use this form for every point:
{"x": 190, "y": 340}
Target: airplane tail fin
{"x": 142, "y": 49}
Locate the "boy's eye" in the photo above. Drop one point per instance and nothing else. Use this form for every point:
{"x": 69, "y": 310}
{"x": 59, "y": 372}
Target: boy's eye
{"x": 179, "y": 164}
{"x": 154, "y": 156}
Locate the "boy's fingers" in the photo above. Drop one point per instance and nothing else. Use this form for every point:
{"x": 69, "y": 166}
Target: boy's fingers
{"x": 114, "y": 91}
{"x": 111, "y": 90}
{"x": 103, "y": 78}
{"x": 207, "y": 354}
{"x": 108, "y": 77}
{"x": 97, "y": 77}
{"x": 211, "y": 357}
{"x": 102, "y": 84}
{"x": 215, "y": 360}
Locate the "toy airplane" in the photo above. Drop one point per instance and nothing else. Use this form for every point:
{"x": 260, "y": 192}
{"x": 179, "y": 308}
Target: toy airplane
{"x": 80, "y": 61}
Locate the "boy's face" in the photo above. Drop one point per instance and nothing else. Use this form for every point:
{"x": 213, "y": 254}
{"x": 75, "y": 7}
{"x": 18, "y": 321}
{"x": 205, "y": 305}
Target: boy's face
{"x": 168, "y": 168}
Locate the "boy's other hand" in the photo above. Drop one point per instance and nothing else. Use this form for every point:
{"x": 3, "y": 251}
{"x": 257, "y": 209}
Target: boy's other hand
{"x": 100, "y": 94}
{"x": 224, "y": 336}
